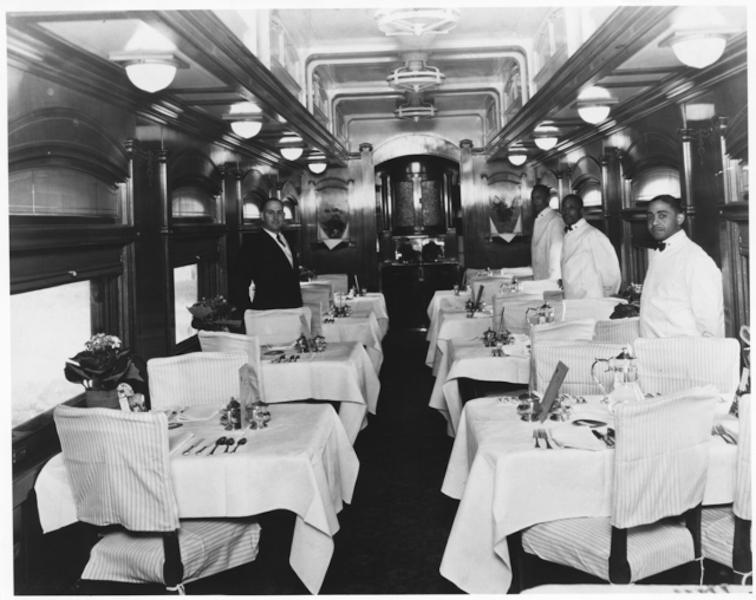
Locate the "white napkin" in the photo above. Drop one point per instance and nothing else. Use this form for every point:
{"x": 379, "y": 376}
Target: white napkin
{"x": 177, "y": 439}
{"x": 577, "y": 437}
{"x": 199, "y": 412}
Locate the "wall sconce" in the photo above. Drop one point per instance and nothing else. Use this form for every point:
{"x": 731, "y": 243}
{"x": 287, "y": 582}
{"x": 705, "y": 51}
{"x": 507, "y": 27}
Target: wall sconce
{"x": 292, "y": 147}
{"x": 517, "y": 154}
{"x": 546, "y": 136}
{"x": 594, "y": 104}
{"x": 150, "y": 72}
{"x": 245, "y": 119}
{"x": 696, "y": 49}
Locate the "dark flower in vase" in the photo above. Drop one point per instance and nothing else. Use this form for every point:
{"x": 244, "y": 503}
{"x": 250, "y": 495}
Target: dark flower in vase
{"x": 211, "y": 314}
{"x": 104, "y": 364}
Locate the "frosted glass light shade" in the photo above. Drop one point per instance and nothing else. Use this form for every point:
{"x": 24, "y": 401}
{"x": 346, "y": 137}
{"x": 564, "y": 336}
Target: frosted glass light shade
{"x": 594, "y": 114}
{"x": 151, "y": 76}
{"x": 517, "y": 157}
{"x": 699, "y": 51}
{"x": 317, "y": 167}
{"x": 246, "y": 129}
{"x": 546, "y": 143}
{"x": 594, "y": 104}
{"x": 291, "y": 152}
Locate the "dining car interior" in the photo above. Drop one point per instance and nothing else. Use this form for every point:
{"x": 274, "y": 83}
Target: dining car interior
{"x": 380, "y": 300}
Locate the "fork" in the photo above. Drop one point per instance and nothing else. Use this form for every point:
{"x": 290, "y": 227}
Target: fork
{"x": 535, "y": 437}
{"x": 545, "y": 437}
{"x": 724, "y": 434}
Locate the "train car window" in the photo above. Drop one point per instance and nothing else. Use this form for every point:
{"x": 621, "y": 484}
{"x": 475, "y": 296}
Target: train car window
{"x": 185, "y": 293}
{"x": 48, "y": 326}
{"x": 250, "y": 211}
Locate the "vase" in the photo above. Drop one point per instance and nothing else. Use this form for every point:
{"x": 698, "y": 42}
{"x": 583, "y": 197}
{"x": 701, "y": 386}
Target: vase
{"x": 102, "y": 399}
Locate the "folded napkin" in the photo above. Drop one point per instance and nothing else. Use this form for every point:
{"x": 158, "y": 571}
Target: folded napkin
{"x": 576, "y": 437}
{"x": 199, "y": 412}
{"x": 177, "y": 439}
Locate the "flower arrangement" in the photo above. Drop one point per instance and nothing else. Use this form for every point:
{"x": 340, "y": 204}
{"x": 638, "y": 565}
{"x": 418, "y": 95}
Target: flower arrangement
{"x": 213, "y": 314}
{"x": 103, "y": 365}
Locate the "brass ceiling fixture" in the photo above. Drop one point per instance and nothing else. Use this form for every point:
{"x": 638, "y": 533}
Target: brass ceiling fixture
{"x": 415, "y": 76}
{"x": 416, "y": 108}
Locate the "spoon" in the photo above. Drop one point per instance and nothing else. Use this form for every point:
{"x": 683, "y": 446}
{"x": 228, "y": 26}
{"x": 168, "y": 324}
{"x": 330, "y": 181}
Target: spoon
{"x": 241, "y": 442}
{"x": 218, "y": 442}
{"x": 229, "y": 442}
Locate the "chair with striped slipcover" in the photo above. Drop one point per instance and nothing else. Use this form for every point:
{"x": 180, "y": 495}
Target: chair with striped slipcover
{"x": 339, "y": 281}
{"x": 578, "y": 355}
{"x": 726, "y": 531}
{"x": 518, "y": 304}
{"x": 194, "y": 378}
{"x": 279, "y": 325}
{"x": 317, "y": 296}
{"x": 673, "y": 364}
{"x": 660, "y": 461}
{"x": 222, "y": 341}
{"x": 118, "y": 466}
{"x": 622, "y": 331}
{"x": 589, "y": 308}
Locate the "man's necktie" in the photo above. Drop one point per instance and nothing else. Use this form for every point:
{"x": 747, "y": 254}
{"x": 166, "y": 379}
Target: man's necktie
{"x": 285, "y": 248}
{"x": 660, "y": 246}
{"x": 280, "y": 240}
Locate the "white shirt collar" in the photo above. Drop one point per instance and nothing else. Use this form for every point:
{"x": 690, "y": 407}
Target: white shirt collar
{"x": 581, "y": 223}
{"x": 675, "y": 239}
{"x": 274, "y": 235}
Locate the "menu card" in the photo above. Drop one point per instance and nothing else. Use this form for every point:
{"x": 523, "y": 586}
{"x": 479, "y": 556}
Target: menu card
{"x": 552, "y": 390}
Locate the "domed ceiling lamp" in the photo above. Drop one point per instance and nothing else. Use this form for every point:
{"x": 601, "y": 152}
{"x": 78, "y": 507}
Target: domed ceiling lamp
{"x": 517, "y": 155}
{"x": 416, "y": 108}
{"x": 416, "y": 21}
{"x": 415, "y": 75}
{"x": 546, "y": 136}
{"x": 594, "y": 104}
{"x": 700, "y": 36}
{"x": 149, "y": 60}
{"x": 245, "y": 118}
{"x": 291, "y": 147}
{"x": 318, "y": 163}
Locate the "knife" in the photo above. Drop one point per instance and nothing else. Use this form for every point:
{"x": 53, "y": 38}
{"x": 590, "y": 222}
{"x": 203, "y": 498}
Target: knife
{"x": 602, "y": 437}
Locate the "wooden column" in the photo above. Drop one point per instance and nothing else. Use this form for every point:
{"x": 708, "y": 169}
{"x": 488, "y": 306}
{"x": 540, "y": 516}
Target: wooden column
{"x": 467, "y": 200}
{"x": 369, "y": 254}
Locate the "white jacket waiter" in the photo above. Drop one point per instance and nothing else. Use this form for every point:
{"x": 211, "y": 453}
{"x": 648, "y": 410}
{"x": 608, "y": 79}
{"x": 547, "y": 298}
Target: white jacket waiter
{"x": 682, "y": 293}
{"x": 548, "y": 234}
{"x": 590, "y": 268}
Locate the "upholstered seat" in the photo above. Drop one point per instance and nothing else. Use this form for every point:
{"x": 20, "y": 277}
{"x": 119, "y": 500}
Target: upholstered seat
{"x": 339, "y": 281}
{"x": 621, "y": 331}
{"x": 118, "y": 465}
{"x": 579, "y": 357}
{"x": 278, "y": 326}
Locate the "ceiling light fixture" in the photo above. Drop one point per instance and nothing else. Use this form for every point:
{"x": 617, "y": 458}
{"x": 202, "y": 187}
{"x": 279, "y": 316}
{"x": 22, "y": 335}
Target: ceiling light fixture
{"x": 546, "y": 136}
{"x": 415, "y": 75}
{"x": 517, "y": 154}
{"x": 416, "y": 21}
{"x": 292, "y": 147}
{"x": 416, "y": 109}
{"x": 696, "y": 49}
{"x": 594, "y": 104}
{"x": 245, "y": 118}
{"x": 317, "y": 167}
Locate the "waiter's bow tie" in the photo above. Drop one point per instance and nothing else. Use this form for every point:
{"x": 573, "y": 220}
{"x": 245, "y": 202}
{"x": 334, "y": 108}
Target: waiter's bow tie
{"x": 660, "y": 246}
{"x": 568, "y": 228}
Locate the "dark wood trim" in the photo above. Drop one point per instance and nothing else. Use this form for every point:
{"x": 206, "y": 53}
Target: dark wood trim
{"x": 735, "y": 211}
{"x": 42, "y": 237}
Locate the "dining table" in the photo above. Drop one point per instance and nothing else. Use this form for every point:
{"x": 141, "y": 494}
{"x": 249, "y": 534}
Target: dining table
{"x": 301, "y": 462}
{"x": 371, "y": 302}
{"x": 469, "y": 358}
{"x": 455, "y": 323}
{"x": 505, "y": 484}
{"x": 343, "y": 373}
{"x": 356, "y": 327}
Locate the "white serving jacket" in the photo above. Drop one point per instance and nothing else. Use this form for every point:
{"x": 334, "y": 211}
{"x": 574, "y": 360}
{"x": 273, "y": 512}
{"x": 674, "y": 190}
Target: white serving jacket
{"x": 590, "y": 268}
{"x": 546, "y": 244}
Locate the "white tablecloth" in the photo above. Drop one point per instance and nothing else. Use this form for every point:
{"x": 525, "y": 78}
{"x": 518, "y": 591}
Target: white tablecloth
{"x": 453, "y": 323}
{"x": 303, "y": 462}
{"x": 443, "y": 299}
{"x": 374, "y": 302}
{"x": 505, "y": 485}
{"x": 359, "y": 327}
{"x": 471, "y": 359}
{"x": 342, "y": 373}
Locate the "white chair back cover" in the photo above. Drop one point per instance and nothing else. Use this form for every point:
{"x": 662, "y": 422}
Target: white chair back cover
{"x": 514, "y": 301}
{"x": 661, "y": 456}
{"x": 279, "y": 325}
{"x": 491, "y": 286}
{"x": 117, "y": 462}
{"x": 222, "y": 341}
{"x": 621, "y": 331}
{"x": 742, "y": 501}
{"x": 515, "y": 311}
{"x": 317, "y": 294}
{"x": 540, "y": 286}
{"x": 339, "y": 281}
{"x": 673, "y": 364}
{"x": 194, "y": 378}
{"x": 578, "y": 356}
{"x": 589, "y": 308}
{"x": 564, "y": 331}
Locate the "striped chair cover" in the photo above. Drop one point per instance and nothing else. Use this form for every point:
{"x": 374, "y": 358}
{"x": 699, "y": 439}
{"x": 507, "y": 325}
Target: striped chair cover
{"x": 516, "y": 301}
{"x": 540, "y": 286}
{"x": 278, "y": 326}
{"x": 118, "y": 465}
{"x": 221, "y": 341}
{"x": 673, "y": 364}
{"x": 339, "y": 281}
{"x": 589, "y": 308}
{"x": 317, "y": 294}
{"x": 578, "y": 356}
{"x": 516, "y": 310}
{"x": 660, "y": 464}
{"x": 621, "y": 331}
{"x": 194, "y": 378}
{"x": 491, "y": 286}
{"x": 718, "y": 524}
{"x": 564, "y": 331}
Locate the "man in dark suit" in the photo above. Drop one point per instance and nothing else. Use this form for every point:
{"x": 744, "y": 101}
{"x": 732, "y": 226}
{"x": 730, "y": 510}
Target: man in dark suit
{"x": 267, "y": 261}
